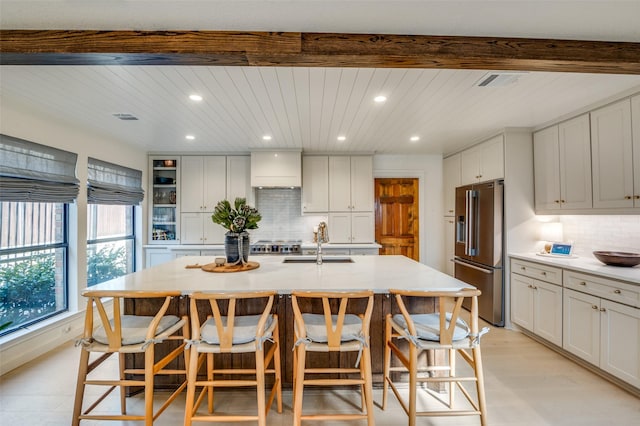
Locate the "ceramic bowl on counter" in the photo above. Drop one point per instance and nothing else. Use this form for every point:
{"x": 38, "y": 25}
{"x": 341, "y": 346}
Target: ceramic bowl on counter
{"x": 618, "y": 258}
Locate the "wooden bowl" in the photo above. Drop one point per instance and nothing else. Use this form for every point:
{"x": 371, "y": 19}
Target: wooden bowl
{"x": 618, "y": 258}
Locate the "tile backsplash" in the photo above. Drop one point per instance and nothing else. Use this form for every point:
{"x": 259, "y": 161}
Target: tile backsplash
{"x": 282, "y": 219}
{"x": 602, "y": 232}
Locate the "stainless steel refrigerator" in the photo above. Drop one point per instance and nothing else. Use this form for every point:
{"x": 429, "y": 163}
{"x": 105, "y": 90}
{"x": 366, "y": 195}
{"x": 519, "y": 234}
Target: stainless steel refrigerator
{"x": 478, "y": 246}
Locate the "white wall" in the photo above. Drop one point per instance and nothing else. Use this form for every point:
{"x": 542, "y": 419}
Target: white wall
{"x": 428, "y": 169}
{"x": 24, "y": 345}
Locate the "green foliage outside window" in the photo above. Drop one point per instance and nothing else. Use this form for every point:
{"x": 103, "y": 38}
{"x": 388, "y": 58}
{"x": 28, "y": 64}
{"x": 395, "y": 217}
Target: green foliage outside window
{"x": 107, "y": 263}
{"x": 27, "y": 289}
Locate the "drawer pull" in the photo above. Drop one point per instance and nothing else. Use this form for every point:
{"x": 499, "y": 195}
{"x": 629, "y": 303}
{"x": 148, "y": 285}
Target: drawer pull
{"x": 523, "y": 268}
{"x": 544, "y": 273}
{"x": 616, "y": 291}
{"x": 583, "y": 283}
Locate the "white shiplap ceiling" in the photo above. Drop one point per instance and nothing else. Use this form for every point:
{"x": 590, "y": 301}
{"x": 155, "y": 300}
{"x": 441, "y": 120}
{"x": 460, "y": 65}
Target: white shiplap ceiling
{"x": 305, "y": 108}
{"x": 308, "y": 108}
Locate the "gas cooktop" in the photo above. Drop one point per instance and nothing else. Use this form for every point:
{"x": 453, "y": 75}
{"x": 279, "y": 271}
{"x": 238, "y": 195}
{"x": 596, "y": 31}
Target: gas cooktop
{"x": 276, "y": 247}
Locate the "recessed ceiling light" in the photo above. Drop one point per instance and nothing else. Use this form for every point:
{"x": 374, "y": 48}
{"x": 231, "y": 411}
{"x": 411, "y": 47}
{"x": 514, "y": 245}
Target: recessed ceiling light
{"x": 189, "y": 137}
{"x": 266, "y": 138}
{"x": 380, "y": 99}
{"x": 414, "y": 138}
{"x": 195, "y": 97}
{"x": 342, "y": 138}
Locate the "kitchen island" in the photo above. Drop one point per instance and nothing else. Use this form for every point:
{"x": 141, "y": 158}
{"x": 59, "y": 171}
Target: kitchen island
{"x": 378, "y": 273}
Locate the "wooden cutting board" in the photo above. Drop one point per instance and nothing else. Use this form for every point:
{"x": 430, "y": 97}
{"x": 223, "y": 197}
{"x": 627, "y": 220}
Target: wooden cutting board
{"x": 212, "y": 267}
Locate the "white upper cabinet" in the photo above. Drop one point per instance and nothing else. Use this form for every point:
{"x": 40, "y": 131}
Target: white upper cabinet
{"x": 203, "y": 183}
{"x": 239, "y": 178}
{"x": 450, "y": 181}
{"x": 635, "y": 118}
{"x": 612, "y": 153}
{"x": 362, "y": 183}
{"x": 350, "y": 183}
{"x": 562, "y": 166}
{"x": 340, "y": 184}
{"x": 483, "y": 162}
{"x": 315, "y": 184}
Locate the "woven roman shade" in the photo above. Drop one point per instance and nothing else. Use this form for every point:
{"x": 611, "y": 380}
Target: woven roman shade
{"x": 110, "y": 183}
{"x": 30, "y": 172}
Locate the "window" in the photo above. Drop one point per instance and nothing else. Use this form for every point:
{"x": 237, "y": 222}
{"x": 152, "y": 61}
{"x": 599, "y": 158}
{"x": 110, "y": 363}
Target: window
{"x": 37, "y": 184}
{"x": 33, "y": 253}
{"x": 112, "y": 193}
{"x": 110, "y": 242}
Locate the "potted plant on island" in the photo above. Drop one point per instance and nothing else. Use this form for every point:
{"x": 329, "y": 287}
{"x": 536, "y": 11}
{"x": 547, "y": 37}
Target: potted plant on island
{"x": 237, "y": 220}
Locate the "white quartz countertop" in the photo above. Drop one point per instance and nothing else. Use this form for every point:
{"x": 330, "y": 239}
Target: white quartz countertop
{"x": 303, "y": 245}
{"x": 588, "y": 264}
{"x": 379, "y": 273}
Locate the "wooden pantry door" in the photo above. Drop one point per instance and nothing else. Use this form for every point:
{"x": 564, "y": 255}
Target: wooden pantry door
{"x": 396, "y": 204}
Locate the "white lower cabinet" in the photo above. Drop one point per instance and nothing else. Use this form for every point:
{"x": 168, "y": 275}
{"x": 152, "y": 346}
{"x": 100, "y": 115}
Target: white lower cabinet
{"x": 593, "y": 317}
{"x": 155, "y": 257}
{"x": 537, "y": 306}
{"x": 603, "y": 333}
{"x": 358, "y": 227}
{"x": 581, "y": 323}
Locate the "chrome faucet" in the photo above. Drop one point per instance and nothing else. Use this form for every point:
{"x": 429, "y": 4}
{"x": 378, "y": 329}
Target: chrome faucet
{"x": 322, "y": 236}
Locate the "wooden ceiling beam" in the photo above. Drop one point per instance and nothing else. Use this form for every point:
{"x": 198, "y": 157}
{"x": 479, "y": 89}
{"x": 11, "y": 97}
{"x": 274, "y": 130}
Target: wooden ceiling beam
{"x": 210, "y": 48}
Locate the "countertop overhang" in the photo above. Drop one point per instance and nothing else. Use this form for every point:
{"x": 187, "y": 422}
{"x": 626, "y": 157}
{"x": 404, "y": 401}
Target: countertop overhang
{"x": 378, "y": 273}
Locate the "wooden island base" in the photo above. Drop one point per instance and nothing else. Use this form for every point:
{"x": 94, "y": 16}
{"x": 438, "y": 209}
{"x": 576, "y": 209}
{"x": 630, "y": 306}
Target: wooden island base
{"x": 282, "y": 307}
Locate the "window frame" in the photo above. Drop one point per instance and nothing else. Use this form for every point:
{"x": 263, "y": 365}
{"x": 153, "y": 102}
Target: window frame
{"x": 129, "y": 237}
{"x": 64, "y": 245}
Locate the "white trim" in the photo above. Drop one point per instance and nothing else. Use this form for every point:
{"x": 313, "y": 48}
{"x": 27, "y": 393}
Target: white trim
{"x": 23, "y": 346}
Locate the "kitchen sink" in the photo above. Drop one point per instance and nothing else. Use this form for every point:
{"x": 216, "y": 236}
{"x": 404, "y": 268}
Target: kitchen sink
{"x": 312, "y": 259}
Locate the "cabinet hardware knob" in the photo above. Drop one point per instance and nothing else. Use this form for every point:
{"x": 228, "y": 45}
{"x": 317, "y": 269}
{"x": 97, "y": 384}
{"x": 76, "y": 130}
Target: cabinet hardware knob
{"x": 594, "y": 307}
{"x": 637, "y": 197}
{"x": 450, "y": 221}
{"x": 627, "y": 197}
{"x": 556, "y": 201}
{"x": 616, "y": 291}
{"x": 562, "y": 201}
{"x": 451, "y": 211}
{"x": 535, "y": 288}
{"x": 583, "y": 283}
{"x": 603, "y": 310}
{"x": 544, "y": 273}
{"x": 523, "y": 268}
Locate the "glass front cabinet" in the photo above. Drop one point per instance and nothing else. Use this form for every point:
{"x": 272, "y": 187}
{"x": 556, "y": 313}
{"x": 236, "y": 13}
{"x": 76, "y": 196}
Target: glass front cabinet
{"x": 164, "y": 198}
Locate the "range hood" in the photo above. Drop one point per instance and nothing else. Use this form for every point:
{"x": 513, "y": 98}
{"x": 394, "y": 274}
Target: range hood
{"x": 276, "y": 169}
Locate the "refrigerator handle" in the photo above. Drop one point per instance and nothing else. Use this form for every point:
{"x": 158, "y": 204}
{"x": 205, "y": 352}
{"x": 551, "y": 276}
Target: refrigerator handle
{"x": 465, "y": 264}
{"x": 470, "y": 210}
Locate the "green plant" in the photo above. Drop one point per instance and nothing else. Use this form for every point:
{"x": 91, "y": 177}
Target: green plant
{"x": 238, "y": 218}
{"x": 27, "y": 289}
{"x": 106, "y": 263}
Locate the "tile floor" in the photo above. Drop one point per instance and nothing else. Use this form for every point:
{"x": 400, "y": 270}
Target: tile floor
{"x": 526, "y": 384}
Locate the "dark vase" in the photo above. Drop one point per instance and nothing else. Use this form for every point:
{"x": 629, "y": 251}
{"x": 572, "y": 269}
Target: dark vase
{"x": 234, "y": 244}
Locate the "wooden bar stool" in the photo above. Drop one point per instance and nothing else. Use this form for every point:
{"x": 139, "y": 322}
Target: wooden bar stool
{"x": 443, "y": 330}
{"x": 225, "y": 332}
{"x": 128, "y": 334}
{"x": 333, "y": 330}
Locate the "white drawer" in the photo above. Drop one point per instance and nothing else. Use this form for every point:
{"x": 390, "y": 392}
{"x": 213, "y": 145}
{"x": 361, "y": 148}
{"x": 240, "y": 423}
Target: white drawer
{"x": 538, "y": 271}
{"x": 617, "y": 291}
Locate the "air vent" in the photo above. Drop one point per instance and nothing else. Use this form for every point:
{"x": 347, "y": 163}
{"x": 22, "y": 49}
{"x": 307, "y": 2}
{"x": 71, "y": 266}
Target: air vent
{"x": 125, "y": 117}
{"x": 498, "y": 79}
